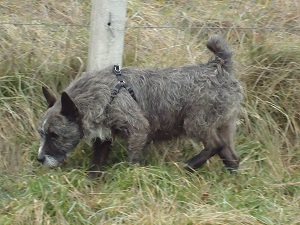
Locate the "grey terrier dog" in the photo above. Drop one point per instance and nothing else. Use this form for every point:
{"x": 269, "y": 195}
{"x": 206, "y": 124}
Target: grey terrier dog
{"x": 197, "y": 101}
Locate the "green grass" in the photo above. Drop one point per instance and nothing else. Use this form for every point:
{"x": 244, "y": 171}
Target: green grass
{"x": 265, "y": 190}
{"x": 150, "y": 195}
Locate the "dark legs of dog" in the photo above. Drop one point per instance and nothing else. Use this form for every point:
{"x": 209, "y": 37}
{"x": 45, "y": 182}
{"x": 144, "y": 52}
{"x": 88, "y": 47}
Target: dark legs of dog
{"x": 227, "y": 154}
{"x": 220, "y": 142}
{"x": 230, "y": 159}
{"x": 101, "y": 151}
{"x": 198, "y": 160}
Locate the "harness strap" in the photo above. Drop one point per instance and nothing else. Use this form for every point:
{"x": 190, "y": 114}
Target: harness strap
{"x": 121, "y": 83}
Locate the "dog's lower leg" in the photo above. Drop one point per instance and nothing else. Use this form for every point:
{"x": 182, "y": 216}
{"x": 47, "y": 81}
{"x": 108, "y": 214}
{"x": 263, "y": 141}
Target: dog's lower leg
{"x": 230, "y": 159}
{"x": 101, "y": 151}
{"x": 201, "y": 158}
{"x": 227, "y": 154}
{"x": 136, "y": 145}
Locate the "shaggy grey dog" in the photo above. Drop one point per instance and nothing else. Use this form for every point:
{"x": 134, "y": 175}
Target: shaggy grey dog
{"x": 199, "y": 101}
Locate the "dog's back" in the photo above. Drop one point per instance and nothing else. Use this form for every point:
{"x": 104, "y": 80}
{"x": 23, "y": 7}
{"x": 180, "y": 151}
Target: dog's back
{"x": 169, "y": 96}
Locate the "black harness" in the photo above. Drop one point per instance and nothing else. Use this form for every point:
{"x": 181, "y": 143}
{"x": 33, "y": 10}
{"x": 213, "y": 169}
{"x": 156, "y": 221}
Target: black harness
{"x": 121, "y": 83}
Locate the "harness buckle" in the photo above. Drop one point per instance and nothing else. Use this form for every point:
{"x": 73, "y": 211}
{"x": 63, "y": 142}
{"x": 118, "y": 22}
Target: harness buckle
{"x": 117, "y": 69}
{"x": 121, "y": 83}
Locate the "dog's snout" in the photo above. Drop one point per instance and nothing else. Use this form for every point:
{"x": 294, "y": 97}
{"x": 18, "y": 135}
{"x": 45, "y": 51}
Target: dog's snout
{"x": 41, "y": 159}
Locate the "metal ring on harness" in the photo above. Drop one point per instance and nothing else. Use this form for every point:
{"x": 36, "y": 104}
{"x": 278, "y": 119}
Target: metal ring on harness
{"x": 121, "y": 83}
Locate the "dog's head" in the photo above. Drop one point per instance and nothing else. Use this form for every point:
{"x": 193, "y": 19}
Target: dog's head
{"x": 60, "y": 130}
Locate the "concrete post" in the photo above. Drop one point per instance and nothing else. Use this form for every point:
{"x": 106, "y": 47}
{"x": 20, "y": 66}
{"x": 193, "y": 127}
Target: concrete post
{"x": 106, "y": 33}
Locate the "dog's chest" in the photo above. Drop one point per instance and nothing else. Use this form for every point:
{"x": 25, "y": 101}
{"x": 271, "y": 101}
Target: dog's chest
{"x": 101, "y": 132}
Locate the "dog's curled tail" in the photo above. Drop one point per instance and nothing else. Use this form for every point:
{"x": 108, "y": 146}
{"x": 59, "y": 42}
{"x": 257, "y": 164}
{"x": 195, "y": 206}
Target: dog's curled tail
{"x": 222, "y": 50}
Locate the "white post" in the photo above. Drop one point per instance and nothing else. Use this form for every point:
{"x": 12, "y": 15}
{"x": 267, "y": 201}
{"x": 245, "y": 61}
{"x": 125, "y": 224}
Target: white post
{"x": 106, "y": 33}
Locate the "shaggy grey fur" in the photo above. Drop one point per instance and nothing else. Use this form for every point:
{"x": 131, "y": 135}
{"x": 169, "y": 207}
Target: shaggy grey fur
{"x": 199, "y": 101}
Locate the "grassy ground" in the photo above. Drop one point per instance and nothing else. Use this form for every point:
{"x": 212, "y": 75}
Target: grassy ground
{"x": 266, "y": 190}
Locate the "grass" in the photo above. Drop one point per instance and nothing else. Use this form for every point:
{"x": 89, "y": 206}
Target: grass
{"x": 149, "y": 195}
{"x": 264, "y": 191}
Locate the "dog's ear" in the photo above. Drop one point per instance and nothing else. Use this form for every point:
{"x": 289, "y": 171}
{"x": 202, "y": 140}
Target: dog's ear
{"x": 50, "y": 98}
{"x": 68, "y": 107}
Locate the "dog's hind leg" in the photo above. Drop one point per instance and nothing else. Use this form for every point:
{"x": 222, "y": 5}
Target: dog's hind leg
{"x": 101, "y": 150}
{"x": 228, "y": 154}
{"x": 194, "y": 129}
{"x": 198, "y": 160}
{"x": 230, "y": 158}
{"x": 219, "y": 141}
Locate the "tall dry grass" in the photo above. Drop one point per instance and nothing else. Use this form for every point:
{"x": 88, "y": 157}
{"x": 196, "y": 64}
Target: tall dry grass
{"x": 266, "y": 190}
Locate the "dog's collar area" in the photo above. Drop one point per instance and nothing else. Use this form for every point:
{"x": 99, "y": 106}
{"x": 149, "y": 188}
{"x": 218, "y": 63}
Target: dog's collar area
{"x": 121, "y": 83}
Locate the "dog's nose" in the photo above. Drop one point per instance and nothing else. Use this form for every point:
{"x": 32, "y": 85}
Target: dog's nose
{"x": 41, "y": 159}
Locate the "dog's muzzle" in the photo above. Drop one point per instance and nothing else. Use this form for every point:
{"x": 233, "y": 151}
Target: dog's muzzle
{"x": 41, "y": 159}
{"x": 50, "y": 161}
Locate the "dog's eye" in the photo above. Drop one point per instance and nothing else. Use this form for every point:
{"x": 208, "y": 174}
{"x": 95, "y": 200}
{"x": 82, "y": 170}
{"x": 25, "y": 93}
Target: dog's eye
{"x": 53, "y": 135}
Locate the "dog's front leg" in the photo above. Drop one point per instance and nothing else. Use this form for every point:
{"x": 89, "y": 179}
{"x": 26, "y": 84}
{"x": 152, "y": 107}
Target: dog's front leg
{"x": 136, "y": 144}
{"x": 126, "y": 117}
{"x": 101, "y": 150}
